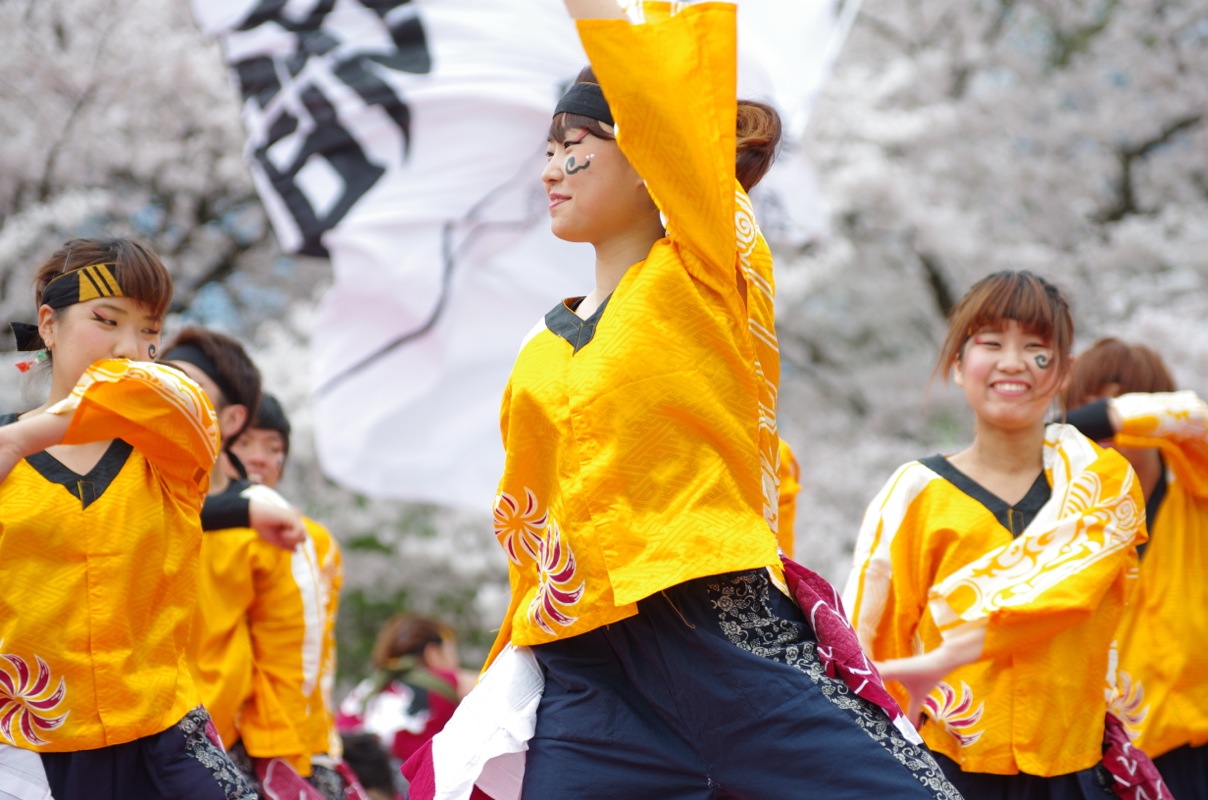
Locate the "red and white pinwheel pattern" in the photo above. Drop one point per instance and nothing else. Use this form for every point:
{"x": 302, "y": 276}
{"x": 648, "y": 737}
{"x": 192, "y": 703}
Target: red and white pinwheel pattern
{"x": 1127, "y": 703}
{"x": 957, "y": 715}
{"x": 555, "y": 572}
{"x": 519, "y": 529}
{"x": 28, "y": 702}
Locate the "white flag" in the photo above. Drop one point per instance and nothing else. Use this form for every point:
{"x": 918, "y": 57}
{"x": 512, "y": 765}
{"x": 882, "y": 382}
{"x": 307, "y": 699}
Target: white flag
{"x": 405, "y": 141}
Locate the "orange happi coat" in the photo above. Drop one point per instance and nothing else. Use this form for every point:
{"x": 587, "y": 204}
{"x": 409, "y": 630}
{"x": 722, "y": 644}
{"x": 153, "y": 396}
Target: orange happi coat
{"x": 933, "y": 557}
{"x": 641, "y": 444}
{"x": 98, "y": 572}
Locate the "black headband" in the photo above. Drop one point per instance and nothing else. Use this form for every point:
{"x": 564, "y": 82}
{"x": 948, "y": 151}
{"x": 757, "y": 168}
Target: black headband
{"x": 191, "y": 354}
{"x": 69, "y": 288}
{"x": 587, "y": 100}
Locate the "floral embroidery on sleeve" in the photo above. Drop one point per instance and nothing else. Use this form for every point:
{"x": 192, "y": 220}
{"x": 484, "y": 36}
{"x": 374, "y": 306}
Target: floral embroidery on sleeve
{"x": 556, "y": 572}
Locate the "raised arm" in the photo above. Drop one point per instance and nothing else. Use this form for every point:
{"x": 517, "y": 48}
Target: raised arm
{"x": 671, "y": 85}
{"x": 1047, "y": 580}
{"x": 259, "y": 508}
{"x": 1058, "y": 571}
{"x": 1177, "y": 416}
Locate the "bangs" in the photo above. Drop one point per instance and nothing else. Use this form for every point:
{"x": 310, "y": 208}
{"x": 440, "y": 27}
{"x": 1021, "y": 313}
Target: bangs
{"x": 1024, "y": 301}
{"x": 1022, "y": 297}
{"x": 144, "y": 278}
{"x": 139, "y": 272}
{"x": 561, "y": 123}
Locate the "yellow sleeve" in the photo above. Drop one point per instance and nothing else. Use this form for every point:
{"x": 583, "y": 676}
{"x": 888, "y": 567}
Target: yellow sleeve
{"x": 1174, "y": 422}
{"x": 789, "y": 472}
{"x": 336, "y": 560}
{"x": 330, "y": 661}
{"x": 870, "y": 595}
{"x": 331, "y": 567}
{"x": 285, "y": 623}
{"x": 1057, "y": 572}
{"x": 156, "y": 409}
{"x": 671, "y": 85}
{"x": 323, "y": 736}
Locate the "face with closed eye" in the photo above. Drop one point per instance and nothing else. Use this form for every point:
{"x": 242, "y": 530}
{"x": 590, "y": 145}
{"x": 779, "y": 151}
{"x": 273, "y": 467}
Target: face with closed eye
{"x": 1009, "y": 375}
{"x": 594, "y": 193}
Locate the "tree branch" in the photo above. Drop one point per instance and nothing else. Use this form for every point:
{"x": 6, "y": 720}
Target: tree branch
{"x": 46, "y": 188}
{"x": 1067, "y": 45}
{"x": 937, "y": 282}
{"x": 1126, "y": 194}
{"x": 999, "y": 22}
{"x": 823, "y": 380}
{"x": 887, "y": 31}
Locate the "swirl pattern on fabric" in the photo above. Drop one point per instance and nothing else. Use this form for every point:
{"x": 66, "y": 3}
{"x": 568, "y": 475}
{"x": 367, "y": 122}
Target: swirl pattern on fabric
{"x": 1093, "y": 522}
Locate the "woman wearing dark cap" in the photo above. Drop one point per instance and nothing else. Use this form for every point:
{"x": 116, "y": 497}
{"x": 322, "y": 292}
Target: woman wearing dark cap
{"x": 1123, "y": 395}
{"x": 638, "y": 504}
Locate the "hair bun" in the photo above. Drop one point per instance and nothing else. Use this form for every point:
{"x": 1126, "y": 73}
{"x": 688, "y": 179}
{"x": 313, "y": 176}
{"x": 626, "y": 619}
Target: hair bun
{"x": 758, "y": 132}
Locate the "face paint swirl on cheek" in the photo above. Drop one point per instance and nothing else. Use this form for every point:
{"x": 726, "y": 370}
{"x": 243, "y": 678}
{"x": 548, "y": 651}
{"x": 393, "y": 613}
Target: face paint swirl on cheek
{"x": 151, "y": 352}
{"x": 1043, "y": 360}
{"x": 572, "y": 168}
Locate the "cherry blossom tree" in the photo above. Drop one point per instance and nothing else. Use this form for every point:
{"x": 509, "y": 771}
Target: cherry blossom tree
{"x": 953, "y": 138}
{"x": 118, "y": 117}
{"x": 1069, "y": 137}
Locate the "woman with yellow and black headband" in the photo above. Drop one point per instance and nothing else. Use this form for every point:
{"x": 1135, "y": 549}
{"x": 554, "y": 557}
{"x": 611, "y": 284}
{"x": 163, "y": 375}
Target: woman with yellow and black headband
{"x": 100, "y": 490}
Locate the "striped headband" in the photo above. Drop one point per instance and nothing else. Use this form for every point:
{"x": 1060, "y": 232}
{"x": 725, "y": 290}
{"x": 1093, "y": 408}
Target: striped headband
{"x": 68, "y": 289}
{"x": 81, "y": 285}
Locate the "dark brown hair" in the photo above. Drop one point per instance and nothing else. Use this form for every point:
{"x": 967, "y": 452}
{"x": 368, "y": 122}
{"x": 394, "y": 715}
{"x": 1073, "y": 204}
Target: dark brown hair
{"x": 236, "y": 370}
{"x": 1131, "y": 367}
{"x": 406, "y": 634}
{"x": 137, "y": 268}
{"x": 758, "y": 130}
{"x": 1037, "y": 305}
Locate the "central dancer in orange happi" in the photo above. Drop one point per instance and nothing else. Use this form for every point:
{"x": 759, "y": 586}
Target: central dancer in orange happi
{"x": 638, "y": 505}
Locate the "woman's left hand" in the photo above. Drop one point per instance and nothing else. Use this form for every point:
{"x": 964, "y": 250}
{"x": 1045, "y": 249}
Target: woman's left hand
{"x": 271, "y": 516}
{"x": 922, "y": 673}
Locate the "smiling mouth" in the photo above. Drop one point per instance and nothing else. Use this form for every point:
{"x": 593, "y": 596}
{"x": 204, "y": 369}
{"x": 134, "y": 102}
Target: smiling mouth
{"x": 1010, "y": 387}
{"x": 557, "y": 200}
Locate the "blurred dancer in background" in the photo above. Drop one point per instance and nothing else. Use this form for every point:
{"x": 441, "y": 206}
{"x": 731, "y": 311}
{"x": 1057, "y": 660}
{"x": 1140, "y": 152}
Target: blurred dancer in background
{"x": 1123, "y": 396}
